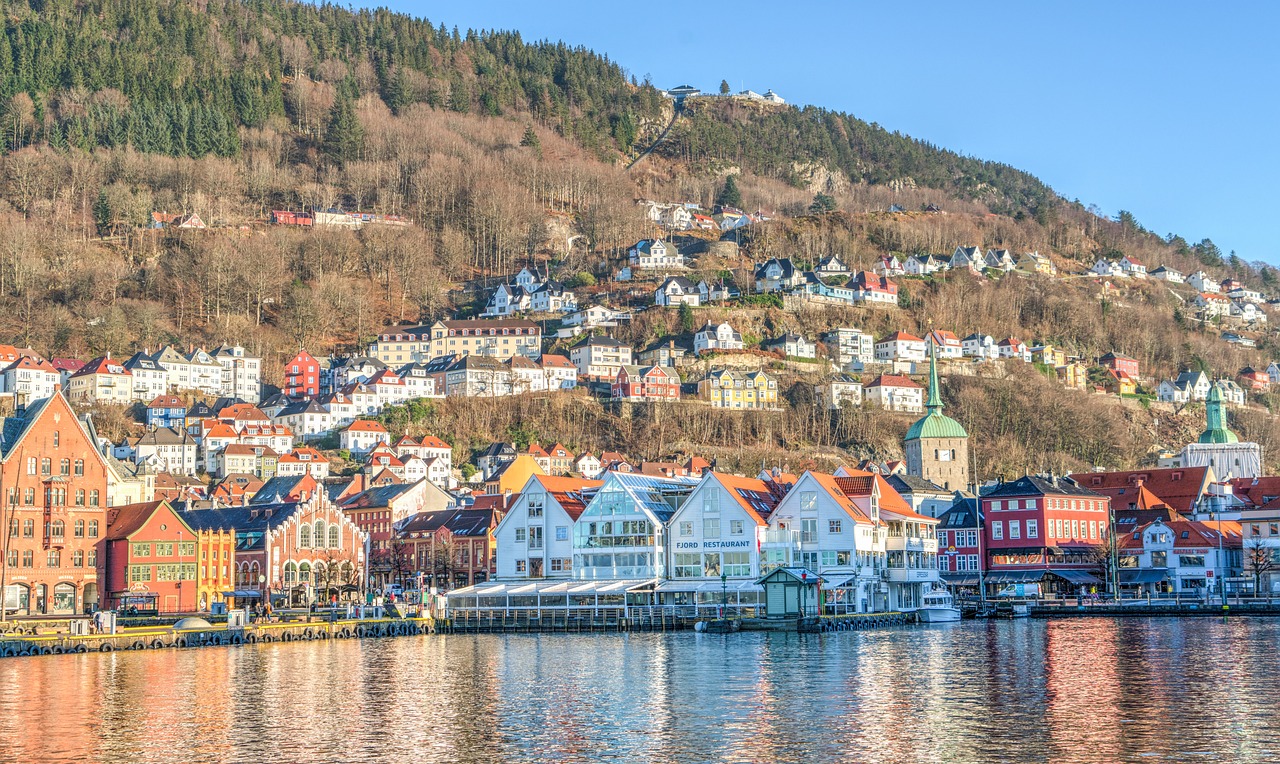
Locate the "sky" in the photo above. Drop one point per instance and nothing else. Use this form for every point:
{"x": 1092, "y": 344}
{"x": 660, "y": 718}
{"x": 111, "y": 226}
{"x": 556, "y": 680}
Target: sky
{"x": 1168, "y": 110}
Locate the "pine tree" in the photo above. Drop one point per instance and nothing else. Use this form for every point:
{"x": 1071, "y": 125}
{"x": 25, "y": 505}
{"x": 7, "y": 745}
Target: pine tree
{"x": 344, "y": 137}
{"x": 102, "y": 213}
{"x": 724, "y": 87}
{"x": 531, "y": 140}
{"x": 686, "y": 318}
{"x": 729, "y": 195}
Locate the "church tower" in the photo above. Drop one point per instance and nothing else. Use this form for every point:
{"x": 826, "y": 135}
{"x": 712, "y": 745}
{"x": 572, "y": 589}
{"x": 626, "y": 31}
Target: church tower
{"x": 1219, "y": 448}
{"x": 937, "y": 446}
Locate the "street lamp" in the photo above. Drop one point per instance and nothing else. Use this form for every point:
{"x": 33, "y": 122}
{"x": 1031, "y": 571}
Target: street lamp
{"x": 724, "y": 594}
{"x": 262, "y": 584}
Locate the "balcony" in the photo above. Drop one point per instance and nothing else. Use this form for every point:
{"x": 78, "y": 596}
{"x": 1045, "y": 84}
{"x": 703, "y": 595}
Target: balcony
{"x": 911, "y": 544}
{"x": 773, "y": 538}
{"x": 910, "y": 575}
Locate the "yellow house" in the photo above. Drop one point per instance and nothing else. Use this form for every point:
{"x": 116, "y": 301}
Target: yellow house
{"x": 733, "y": 389}
{"x": 513, "y": 476}
{"x": 1073, "y": 375}
{"x": 1049, "y": 356}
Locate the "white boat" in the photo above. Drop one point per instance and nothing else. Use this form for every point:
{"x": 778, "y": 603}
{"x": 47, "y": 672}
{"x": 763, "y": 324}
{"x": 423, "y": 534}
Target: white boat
{"x": 938, "y": 607}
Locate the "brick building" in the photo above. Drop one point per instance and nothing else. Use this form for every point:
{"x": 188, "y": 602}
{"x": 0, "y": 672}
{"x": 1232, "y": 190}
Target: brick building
{"x": 54, "y": 501}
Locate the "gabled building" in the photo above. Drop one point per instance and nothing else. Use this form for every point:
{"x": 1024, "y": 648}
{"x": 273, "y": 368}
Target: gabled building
{"x": 895, "y": 393}
{"x": 598, "y": 358}
{"x": 646, "y": 384}
{"x": 31, "y": 378}
{"x": 167, "y": 411}
{"x": 873, "y": 290}
{"x": 970, "y": 258}
{"x": 101, "y": 380}
{"x": 714, "y": 539}
{"x": 944, "y": 344}
{"x": 778, "y": 274}
{"x": 620, "y": 533}
{"x": 677, "y": 290}
{"x": 851, "y": 349}
{"x": 792, "y": 345}
{"x": 1168, "y": 274}
{"x": 713, "y": 338}
{"x": 837, "y": 390}
{"x": 362, "y": 436}
{"x": 552, "y": 297}
{"x": 655, "y": 254}
{"x": 301, "y": 376}
{"x": 535, "y": 539}
{"x": 150, "y": 379}
{"x": 900, "y": 346}
{"x": 736, "y": 389}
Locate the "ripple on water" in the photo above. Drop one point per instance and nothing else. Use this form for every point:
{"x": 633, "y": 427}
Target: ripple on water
{"x": 1074, "y": 690}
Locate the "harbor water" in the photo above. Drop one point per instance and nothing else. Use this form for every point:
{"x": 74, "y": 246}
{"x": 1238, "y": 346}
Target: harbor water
{"x": 1086, "y": 690}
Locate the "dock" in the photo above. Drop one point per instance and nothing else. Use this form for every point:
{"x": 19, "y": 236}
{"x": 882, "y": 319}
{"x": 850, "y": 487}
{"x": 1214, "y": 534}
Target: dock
{"x": 13, "y": 645}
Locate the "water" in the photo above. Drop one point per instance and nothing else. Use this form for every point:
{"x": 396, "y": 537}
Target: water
{"x": 1089, "y": 690}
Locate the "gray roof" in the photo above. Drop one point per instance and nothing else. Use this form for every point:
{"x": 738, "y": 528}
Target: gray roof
{"x": 914, "y": 484}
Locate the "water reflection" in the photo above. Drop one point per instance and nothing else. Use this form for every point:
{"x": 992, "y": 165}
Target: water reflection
{"x": 1082, "y": 690}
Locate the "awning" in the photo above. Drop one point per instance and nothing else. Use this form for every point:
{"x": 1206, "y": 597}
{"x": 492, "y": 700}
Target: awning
{"x": 839, "y": 580}
{"x": 243, "y": 593}
{"x": 960, "y": 579}
{"x": 1014, "y": 576}
{"x": 1077, "y": 576}
{"x": 1132, "y": 576}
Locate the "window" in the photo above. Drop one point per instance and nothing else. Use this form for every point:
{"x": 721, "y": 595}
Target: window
{"x": 1015, "y": 529}
{"x": 833, "y": 526}
{"x": 686, "y": 529}
{"x": 93, "y": 530}
{"x": 1075, "y": 529}
{"x": 687, "y": 565}
{"x": 1033, "y": 529}
{"x": 996, "y": 506}
{"x": 64, "y": 467}
{"x": 12, "y": 558}
{"x": 735, "y": 528}
{"x": 57, "y": 438}
{"x": 46, "y": 466}
{"x": 333, "y": 536}
{"x": 28, "y": 559}
{"x": 304, "y": 535}
{"x": 997, "y": 530}
{"x": 808, "y": 531}
{"x": 54, "y": 558}
{"x": 562, "y": 533}
{"x": 737, "y": 564}
{"x": 520, "y": 532}
{"x": 58, "y": 529}
{"x": 79, "y": 467}
{"x": 93, "y": 498}
{"x": 535, "y": 537}
{"x": 1093, "y": 529}
{"x": 28, "y": 529}
{"x": 535, "y": 506}
{"x": 711, "y": 528}
{"x": 92, "y": 562}
{"x": 77, "y": 558}
{"x": 79, "y": 497}
{"x": 31, "y": 465}
{"x": 29, "y": 497}
{"x": 808, "y": 500}
{"x": 164, "y": 549}
{"x": 711, "y": 565}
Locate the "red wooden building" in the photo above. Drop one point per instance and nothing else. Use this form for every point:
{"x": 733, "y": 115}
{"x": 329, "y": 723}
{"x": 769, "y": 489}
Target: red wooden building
{"x": 646, "y": 383}
{"x": 1120, "y": 363}
{"x": 150, "y": 559}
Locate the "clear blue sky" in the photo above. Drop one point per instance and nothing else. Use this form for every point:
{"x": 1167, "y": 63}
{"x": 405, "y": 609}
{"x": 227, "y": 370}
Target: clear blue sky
{"x": 1168, "y": 110}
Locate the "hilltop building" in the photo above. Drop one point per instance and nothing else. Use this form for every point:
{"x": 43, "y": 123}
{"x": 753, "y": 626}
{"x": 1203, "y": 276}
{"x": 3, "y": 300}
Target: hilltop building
{"x": 937, "y": 446}
{"x": 1218, "y": 447}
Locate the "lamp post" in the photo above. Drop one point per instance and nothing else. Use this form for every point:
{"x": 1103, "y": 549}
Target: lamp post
{"x": 180, "y": 610}
{"x": 262, "y": 585}
{"x": 724, "y": 594}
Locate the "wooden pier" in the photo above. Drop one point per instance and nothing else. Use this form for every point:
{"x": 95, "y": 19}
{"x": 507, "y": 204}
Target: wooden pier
{"x": 161, "y": 638}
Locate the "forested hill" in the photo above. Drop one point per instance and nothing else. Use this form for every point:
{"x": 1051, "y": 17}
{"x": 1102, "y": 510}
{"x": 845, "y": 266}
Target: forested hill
{"x": 160, "y": 74}
{"x": 178, "y": 78}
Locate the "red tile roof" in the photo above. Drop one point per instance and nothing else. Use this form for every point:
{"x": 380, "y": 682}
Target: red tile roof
{"x": 1179, "y": 487}
{"x": 894, "y": 380}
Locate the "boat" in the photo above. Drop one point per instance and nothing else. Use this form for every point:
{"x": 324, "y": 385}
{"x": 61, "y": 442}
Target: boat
{"x": 938, "y": 607}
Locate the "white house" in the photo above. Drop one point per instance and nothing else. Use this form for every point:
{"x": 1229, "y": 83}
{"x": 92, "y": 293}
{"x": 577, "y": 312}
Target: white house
{"x": 362, "y": 436}
{"x": 1241, "y": 294}
{"x": 150, "y": 379}
{"x": 900, "y": 346}
{"x": 1165, "y": 273}
{"x": 599, "y": 358}
{"x": 1247, "y": 312}
{"x": 655, "y": 254}
{"x": 31, "y": 377}
{"x": 1181, "y": 556}
{"x": 998, "y": 259}
{"x": 1212, "y": 304}
{"x": 588, "y": 465}
{"x": 507, "y": 300}
{"x": 677, "y": 290}
{"x": 303, "y": 461}
{"x": 923, "y": 265}
{"x": 980, "y": 347}
{"x": 714, "y": 539}
{"x": 837, "y": 390}
{"x": 944, "y": 344}
{"x": 832, "y": 265}
{"x": 308, "y": 419}
{"x": 560, "y": 372}
{"x": 530, "y": 278}
{"x": 792, "y": 345}
{"x": 895, "y": 393}
{"x": 874, "y": 290}
{"x": 1107, "y": 269}
{"x": 552, "y": 297}
{"x": 967, "y": 257}
{"x": 1012, "y": 347}
{"x": 1232, "y": 393}
{"x": 712, "y": 337}
{"x": 890, "y": 266}
{"x": 534, "y": 539}
{"x": 1204, "y": 283}
{"x": 777, "y": 275}
{"x": 850, "y": 348}
{"x": 1132, "y": 267}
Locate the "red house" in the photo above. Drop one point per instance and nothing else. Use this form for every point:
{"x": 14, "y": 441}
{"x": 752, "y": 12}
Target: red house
{"x": 1046, "y": 529}
{"x": 1120, "y": 363}
{"x": 646, "y": 383}
{"x": 1254, "y": 379}
{"x": 150, "y": 559}
{"x": 301, "y": 376}
{"x": 960, "y": 557}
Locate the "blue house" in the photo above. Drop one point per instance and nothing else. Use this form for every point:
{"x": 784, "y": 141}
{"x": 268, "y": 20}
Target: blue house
{"x": 167, "y": 411}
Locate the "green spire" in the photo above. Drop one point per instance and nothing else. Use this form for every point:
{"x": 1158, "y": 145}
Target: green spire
{"x": 935, "y": 424}
{"x": 1216, "y": 416}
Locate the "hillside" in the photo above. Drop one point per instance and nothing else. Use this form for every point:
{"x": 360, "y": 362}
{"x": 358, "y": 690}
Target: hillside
{"x": 501, "y": 152}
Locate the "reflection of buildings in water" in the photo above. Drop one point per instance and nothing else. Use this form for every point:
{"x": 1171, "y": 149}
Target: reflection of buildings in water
{"x": 1083, "y": 694}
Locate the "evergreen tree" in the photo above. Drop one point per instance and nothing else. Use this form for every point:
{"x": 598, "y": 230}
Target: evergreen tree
{"x": 729, "y": 195}
{"x": 344, "y": 136}
{"x": 822, "y": 204}
{"x": 102, "y": 213}
{"x": 531, "y": 140}
{"x": 687, "y": 323}
{"x": 724, "y": 87}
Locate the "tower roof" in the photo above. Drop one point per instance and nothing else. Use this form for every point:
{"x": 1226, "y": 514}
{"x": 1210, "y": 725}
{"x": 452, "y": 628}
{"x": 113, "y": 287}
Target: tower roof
{"x": 935, "y": 424}
{"x": 1216, "y": 416}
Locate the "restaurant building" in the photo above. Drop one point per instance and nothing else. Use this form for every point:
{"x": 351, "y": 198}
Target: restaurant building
{"x": 1047, "y": 529}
